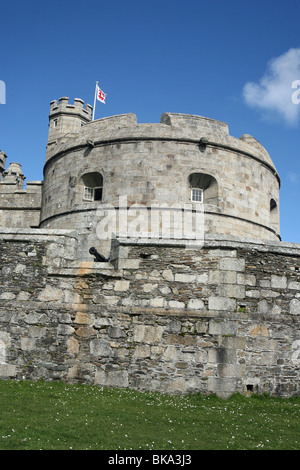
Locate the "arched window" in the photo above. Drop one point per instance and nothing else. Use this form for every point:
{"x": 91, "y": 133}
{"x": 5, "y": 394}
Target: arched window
{"x": 273, "y": 211}
{"x": 273, "y": 205}
{"x": 92, "y": 186}
{"x": 204, "y": 188}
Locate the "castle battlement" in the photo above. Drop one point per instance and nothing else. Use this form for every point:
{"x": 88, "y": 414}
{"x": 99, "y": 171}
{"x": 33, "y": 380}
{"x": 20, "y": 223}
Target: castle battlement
{"x": 65, "y": 107}
{"x": 198, "y": 123}
{"x": 19, "y": 207}
{"x": 66, "y": 118}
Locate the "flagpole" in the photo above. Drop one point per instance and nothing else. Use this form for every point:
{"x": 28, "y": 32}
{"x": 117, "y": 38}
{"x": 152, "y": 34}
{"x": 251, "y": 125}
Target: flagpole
{"x": 95, "y": 101}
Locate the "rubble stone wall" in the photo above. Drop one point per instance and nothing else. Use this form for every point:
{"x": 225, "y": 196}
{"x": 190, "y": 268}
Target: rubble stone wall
{"x": 220, "y": 319}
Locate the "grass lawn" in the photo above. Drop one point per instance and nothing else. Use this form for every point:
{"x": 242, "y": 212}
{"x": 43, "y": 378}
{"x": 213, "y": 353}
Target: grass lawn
{"x": 55, "y": 415}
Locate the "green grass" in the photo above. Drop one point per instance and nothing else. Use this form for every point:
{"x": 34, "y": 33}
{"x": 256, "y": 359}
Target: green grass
{"x": 55, "y": 415}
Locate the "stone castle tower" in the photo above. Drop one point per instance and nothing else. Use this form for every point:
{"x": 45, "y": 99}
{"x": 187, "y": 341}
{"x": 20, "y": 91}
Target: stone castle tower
{"x": 198, "y": 293}
{"x": 184, "y": 160}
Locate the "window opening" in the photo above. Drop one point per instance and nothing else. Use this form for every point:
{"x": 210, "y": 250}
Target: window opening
{"x": 98, "y": 194}
{"x": 92, "y": 186}
{"x": 203, "y": 188}
{"x": 92, "y": 194}
{"x": 197, "y": 195}
{"x": 88, "y": 194}
{"x": 273, "y": 205}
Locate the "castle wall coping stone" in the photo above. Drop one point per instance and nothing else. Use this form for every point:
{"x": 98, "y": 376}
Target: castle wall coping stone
{"x": 29, "y": 234}
{"x": 287, "y": 248}
{"x": 84, "y": 269}
{"x": 152, "y": 312}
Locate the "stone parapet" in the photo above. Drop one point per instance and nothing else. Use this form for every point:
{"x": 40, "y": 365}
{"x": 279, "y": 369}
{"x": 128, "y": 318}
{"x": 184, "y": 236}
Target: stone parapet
{"x": 173, "y": 127}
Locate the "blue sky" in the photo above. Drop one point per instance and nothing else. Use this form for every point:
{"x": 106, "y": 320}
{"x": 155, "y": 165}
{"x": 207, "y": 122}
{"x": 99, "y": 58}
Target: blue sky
{"x": 230, "y": 60}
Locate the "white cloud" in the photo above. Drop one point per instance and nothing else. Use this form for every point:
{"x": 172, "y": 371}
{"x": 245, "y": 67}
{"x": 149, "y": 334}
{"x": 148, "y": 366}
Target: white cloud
{"x": 273, "y": 94}
{"x": 293, "y": 177}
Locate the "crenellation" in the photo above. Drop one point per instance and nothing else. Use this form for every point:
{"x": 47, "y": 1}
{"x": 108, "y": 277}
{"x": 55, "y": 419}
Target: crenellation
{"x": 198, "y": 124}
{"x": 65, "y": 107}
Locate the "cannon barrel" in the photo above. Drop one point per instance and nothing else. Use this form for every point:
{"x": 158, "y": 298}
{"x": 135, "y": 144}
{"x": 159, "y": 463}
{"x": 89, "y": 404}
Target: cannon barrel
{"x": 98, "y": 257}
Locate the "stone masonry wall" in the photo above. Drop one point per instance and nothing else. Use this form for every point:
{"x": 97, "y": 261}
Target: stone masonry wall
{"x": 221, "y": 319}
{"x": 20, "y": 208}
{"x": 152, "y": 164}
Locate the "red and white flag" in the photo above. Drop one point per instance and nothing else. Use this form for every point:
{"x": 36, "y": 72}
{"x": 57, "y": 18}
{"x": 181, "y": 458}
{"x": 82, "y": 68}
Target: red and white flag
{"x": 100, "y": 95}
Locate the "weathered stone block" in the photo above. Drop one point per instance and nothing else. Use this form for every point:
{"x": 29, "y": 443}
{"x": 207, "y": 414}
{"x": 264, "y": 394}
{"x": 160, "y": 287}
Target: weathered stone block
{"x": 28, "y": 344}
{"x": 222, "y": 277}
{"x": 295, "y": 307}
{"x": 221, "y": 328}
{"x": 148, "y": 334}
{"x": 50, "y": 294}
{"x": 100, "y": 347}
{"x": 231, "y": 370}
{"x": 171, "y": 353}
{"x": 168, "y": 275}
{"x": 83, "y": 318}
{"x": 129, "y": 264}
{"x": 157, "y": 302}
{"x": 73, "y": 346}
{"x": 177, "y": 385}
{"x": 221, "y": 303}
{"x": 175, "y": 304}
{"x": 121, "y": 286}
{"x": 116, "y": 332}
{"x": 232, "y": 264}
{"x": 223, "y": 387}
{"x": 114, "y": 378}
{"x": 246, "y": 279}
{"x": 278, "y": 282}
{"x": 7, "y": 296}
{"x": 149, "y": 287}
{"x": 8, "y": 370}
{"x": 259, "y": 330}
{"x": 295, "y": 285}
{"x": 23, "y": 296}
{"x": 202, "y": 278}
{"x": 196, "y": 304}
{"x": 262, "y": 306}
{"x": 65, "y": 330}
{"x": 20, "y": 268}
{"x": 189, "y": 278}
{"x": 141, "y": 352}
{"x": 232, "y": 290}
